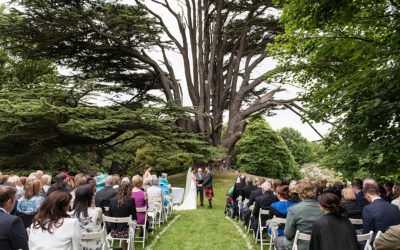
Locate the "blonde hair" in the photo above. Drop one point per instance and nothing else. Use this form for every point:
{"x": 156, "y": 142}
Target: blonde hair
{"x": 46, "y": 179}
{"x": 14, "y": 179}
{"x": 348, "y": 194}
{"x": 137, "y": 181}
{"x": 294, "y": 186}
{"x": 32, "y": 189}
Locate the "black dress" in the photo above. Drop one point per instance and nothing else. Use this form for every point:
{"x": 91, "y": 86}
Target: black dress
{"x": 126, "y": 210}
{"x": 333, "y": 232}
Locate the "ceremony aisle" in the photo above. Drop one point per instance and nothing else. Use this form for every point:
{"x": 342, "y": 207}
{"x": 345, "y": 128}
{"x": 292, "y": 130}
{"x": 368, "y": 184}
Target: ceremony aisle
{"x": 204, "y": 228}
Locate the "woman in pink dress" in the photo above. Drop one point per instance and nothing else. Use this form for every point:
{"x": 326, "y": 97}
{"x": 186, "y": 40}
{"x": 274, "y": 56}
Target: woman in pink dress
{"x": 140, "y": 197}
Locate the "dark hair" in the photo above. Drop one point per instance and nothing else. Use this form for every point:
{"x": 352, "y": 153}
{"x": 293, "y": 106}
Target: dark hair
{"x": 371, "y": 189}
{"x": 60, "y": 178}
{"x": 83, "y": 200}
{"x": 7, "y": 193}
{"x": 124, "y": 193}
{"x": 53, "y": 211}
{"x": 283, "y": 191}
{"x": 389, "y": 185}
{"x": 331, "y": 202}
{"x": 357, "y": 183}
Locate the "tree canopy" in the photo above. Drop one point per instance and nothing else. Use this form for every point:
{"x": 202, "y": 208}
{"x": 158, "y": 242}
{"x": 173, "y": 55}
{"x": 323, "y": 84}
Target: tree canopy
{"x": 298, "y": 145}
{"x": 344, "y": 54}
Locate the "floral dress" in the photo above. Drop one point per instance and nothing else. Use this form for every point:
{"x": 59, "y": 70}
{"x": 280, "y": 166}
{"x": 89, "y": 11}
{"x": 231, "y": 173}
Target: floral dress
{"x": 30, "y": 206}
{"x": 90, "y": 224}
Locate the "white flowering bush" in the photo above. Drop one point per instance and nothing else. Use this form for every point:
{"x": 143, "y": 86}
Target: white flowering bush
{"x": 316, "y": 171}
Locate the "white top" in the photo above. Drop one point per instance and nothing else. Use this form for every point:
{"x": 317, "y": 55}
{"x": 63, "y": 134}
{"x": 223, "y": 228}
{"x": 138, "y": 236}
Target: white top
{"x": 154, "y": 197}
{"x": 66, "y": 237}
{"x": 396, "y": 202}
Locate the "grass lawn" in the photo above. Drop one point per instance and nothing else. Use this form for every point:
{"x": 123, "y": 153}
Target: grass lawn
{"x": 203, "y": 228}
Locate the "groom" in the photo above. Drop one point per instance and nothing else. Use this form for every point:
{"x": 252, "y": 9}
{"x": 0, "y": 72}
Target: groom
{"x": 207, "y": 184}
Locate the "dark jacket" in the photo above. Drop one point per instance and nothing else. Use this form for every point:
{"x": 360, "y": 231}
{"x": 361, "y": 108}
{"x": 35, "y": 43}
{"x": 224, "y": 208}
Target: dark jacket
{"x": 253, "y": 195}
{"x": 126, "y": 210}
{"x": 12, "y": 232}
{"x": 360, "y": 199}
{"x": 295, "y": 197}
{"x": 199, "y": 180}
{"x": 352, "y": 210}
{"x": 264, "y": 201}
{"x": 332, "y": 232}
{"x": 103, "y": 198}
{"x": 59, "y": 186}
{"x": 247, "y": 190}
{"x": 237, "y": 190}
{"x": 208, "y": 180}
{"x": 379, "y": 216}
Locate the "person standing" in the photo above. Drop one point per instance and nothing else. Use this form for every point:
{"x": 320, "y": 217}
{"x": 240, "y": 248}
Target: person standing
{"x": 207, "y": 184}
{"x": 199, "y": 182}
{"x": 12, "y": 230}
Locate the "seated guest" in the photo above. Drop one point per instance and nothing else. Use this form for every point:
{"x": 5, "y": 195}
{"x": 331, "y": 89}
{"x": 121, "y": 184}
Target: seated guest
{"x": 389, "y": 191}
{"x": 122, "y": 205}
{"x": 30, "y": 202}
{"x": 89, "y": 217}
{"x": 100, "y": 181}
{"x": 248, "y": 188}
{"x": 125, "y": 179}
{"x": 237, "y": 191}
{"x": 60, "y": 184}
{"x": 52, "y": 227}
{"x": 263, "y": 201}
{"x": 117, "y": 181}
{"x": 164, "y": 179}
{"x": 389, "y": 240}
{"x": 3, "y": 179}
{"x": 379, "y": 215}
{"x": 352, "y": 208}
{"x": 332, "y": 230}
{"x": 14, "y": 179}
{"x": 253, "y": 195}
{"x": 293, "y": 190}
{"x": 357, "y": 186}
{"x": 140, "y": 197}
{"x": 275, "y": 184}
{"x": 12, "y": 230}
{"x": 104, "y": 196}
{"x": 155, "y": 196}
{"x": 46, "y": 181}
{"x": 396, "y": 195}
{"x": 280, "y": 208}
{"x": 300, "y": 217}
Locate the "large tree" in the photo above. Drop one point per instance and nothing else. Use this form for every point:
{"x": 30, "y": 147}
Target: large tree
{"x": 299, "y": 146}
{"x": 221, "y": 45}
{"x": 345, "y": 54}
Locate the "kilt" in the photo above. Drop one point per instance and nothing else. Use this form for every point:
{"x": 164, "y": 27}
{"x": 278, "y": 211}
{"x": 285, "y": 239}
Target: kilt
{"x": 209, "y": 192}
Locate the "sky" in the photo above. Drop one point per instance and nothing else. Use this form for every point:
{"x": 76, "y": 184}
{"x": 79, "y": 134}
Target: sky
{"x": 283, "y": 118}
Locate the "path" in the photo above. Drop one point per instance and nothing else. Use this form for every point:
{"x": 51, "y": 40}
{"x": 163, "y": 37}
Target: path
{"x": 204, "y": 228}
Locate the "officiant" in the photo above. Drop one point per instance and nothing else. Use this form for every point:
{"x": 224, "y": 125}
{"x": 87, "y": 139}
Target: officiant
{"x": 200, "y": 190}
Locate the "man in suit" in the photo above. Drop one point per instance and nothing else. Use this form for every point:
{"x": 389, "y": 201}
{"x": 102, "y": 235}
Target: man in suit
{"x": 248, "y": 188}
{"x": 200, "y": 190}
{"x": 12, "y": 230}
{"x": 61, "y": 184}
{"x": 357, "y": 186}
{"x": 253, "y": 195}
{"x": 104, "y": 196}
{"x": 379, "y": 215}
{"x": 237, "y": 191}
{"x": 301, "y": 216}
{"x": 207, "y": 184}
{"x": 263, "y": 201}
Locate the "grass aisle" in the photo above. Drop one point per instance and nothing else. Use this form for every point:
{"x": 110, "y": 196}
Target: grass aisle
{"x": 204, "y": 228}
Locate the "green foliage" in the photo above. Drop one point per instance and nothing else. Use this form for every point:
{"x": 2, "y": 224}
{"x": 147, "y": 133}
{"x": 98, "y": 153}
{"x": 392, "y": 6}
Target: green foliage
{"x": 299, "y": 146}
{"x": 343, "y": 53}
{"x": 261, "y": 151}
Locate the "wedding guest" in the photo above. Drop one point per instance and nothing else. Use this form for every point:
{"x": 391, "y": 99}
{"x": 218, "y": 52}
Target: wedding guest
{"x": 12, "y": 230}
{"x": 39, "y": 174}
{"x": 122, "y": 205}
{"x": 237, "y": 174}
{"x": 52, "y": 227}
{"x": 332, "y": 231}
{"x": 60, "y": 184}
{"x": 3, "y": 179}
{"x": 14, "y": 179}
{"x": 357, "y": 186}
{"x": 116, "y": 181}
{"x": 300, "y": 217}
{"x": 280, "y": 208}
{"x": 155, "y": 196}
{"x": 396, "y": 194}
{"x": 389, "y": 191}
{"x": 275, "y": 184}
{"x": 238, "y": 188}
{"x": 257, "y": 192}
{"x": 147, "y": 173}
{"x": 22, "y": 180}
{"x": 46, "y": 181}
{"x": 90, "y": 218}
{"x": 126, "y": 179}
{"x": 104, "y": 196}
{"x": 30, "y": 202}
{"x": 263, "y": 201}
{"x": 208, "y": 187}
{"x": 379, "y": 215}
{"x": 248, "y": 188}
{"x": 293, "y": 190}
{"x": 100, "y": 181}
{"x": 389, "y": 240}
{"x": 352, "y": 208}
{"x": 140, "y": 197}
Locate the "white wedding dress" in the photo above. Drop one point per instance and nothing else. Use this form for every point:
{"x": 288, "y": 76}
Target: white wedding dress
{"x": 190, "y": 197}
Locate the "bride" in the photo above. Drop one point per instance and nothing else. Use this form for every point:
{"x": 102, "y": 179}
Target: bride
{"x": 190, "y": 197}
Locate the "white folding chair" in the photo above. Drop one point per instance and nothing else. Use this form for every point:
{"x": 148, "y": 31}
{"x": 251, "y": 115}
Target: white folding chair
{"x": 366, "y": 237}
{"x": 356, "y": 221}
{"x": 274, "y": 230}
{"x": 102, "y": 236}
{"x": 141, "y": 239}
{"x": 122, "y": 220}
{"x": 300, "y": 236}
{"x": 154, "y": 216}
{"x": 28, "y": 231}
{"x": 260, "y": 228}
{"x": 251, "y": 208}
{"x": 378, "y": 234}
